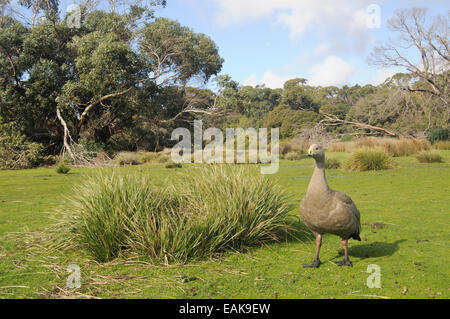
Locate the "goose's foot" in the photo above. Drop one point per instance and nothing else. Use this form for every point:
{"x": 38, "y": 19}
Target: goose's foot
{"x": 345, "y": 262}
{"x": 315, "y": 264}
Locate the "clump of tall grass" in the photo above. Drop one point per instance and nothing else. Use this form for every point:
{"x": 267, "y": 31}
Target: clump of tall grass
{"x": 173, "y": 165}
{"x": 137, "y": 158}
{"x": 442, "y": 145}
{"x": 293, "y": 156}
{"x": 63, "y": 165}
{"x": 367, "y": 159}
{"x": 429, "y": 157}
{"x": 127, "y": 158}
{"x": 332, "y": 163}
{"x": 199, "y": 214}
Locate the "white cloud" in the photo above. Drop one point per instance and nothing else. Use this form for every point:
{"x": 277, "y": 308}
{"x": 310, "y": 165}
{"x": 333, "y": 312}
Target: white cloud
{"x": 381, "y": 76}
{"x": 297, "y": 15}
{"x": 333, "y": 71}
{"x": 269, "y": 79}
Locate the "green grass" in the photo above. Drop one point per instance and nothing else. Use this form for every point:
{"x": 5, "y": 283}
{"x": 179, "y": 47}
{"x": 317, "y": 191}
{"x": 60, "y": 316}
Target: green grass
{"x": 404, "y": 212}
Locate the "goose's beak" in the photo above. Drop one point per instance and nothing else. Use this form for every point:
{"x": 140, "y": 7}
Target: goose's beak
{"x": 310, "y": 152}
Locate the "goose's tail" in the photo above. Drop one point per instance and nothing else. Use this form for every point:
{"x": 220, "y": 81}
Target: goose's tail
{"x": 356, "y": 236}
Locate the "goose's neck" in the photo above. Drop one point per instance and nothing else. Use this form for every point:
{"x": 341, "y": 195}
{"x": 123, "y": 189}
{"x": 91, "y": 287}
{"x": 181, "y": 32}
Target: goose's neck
{"x": 318, "y": 180}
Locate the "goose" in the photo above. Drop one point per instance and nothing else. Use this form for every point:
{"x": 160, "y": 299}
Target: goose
{"x": 326, "y": 211}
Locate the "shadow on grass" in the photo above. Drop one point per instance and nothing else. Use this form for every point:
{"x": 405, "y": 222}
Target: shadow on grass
{"x": 376, "y": 249}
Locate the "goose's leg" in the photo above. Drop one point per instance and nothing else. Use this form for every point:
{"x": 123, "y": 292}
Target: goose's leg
{"x": 346, "y": 260}
{"x": 316, "y": 263}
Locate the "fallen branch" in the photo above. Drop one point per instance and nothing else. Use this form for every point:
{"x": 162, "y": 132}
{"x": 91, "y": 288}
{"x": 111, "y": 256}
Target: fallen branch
{"x": 333, "y": 120}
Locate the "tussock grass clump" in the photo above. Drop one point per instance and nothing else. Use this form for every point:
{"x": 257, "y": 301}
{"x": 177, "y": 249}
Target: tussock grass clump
{"x": 332, "y": 163}
{"x": 442, "y": 145}
{"x": 293, "y": 156}
{"x": 367, "y": 159}
{"x": 63, "y": 166}
{"x": 199, "y": 214}
{"x": 429, "y": 157}
{"x": 173, "y": 165}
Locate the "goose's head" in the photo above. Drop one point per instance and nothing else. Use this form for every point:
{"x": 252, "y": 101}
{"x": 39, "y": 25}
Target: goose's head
{"x": 316, "y": 151}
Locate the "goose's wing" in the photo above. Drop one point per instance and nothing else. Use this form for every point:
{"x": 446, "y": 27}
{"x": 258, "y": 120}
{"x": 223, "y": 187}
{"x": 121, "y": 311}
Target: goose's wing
{"x": 345, "y": 199}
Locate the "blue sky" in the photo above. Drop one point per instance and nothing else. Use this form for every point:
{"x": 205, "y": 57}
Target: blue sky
{"x": 270, "y": 41}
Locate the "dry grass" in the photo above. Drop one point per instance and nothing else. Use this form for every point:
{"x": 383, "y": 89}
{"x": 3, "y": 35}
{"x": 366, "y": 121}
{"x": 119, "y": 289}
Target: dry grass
{"x": 442, "y": 145}
{"x": 395, "y": 147}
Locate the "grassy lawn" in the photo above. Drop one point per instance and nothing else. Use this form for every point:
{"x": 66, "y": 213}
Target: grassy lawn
{"x": 405, "y": 215}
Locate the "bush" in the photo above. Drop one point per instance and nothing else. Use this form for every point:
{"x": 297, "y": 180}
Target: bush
{"x": 429, "y": 157}
{"x": 293, "y": 156}
{"x": 332, "y": 163}
{"x": 438, "y": 134}
{"x": 15, "y": 151}
{"x": 366, "y": 159}
{"x": 63, "y": 166}
{"x": 113, "y": 213}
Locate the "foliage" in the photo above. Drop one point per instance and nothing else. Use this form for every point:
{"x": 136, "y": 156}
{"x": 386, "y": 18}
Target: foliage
{"x": 188, "y": 219}
{"x": 438, "y": 134}
{"x": 367, "y": 159}
{"x": 16, "y": 151}
{"x": 429, "y": 157}
{"x": 62, "y": 167}
{"x": 332, "y": 163}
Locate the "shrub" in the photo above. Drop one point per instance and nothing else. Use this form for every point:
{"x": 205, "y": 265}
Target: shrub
{"x": 332, "y": 163}
{"x": 442, "y": 145}
{"x": 63, "y": 166}
{"x": 113, "y": 213}
{"x": 15, "y": 151}
{"x": 438, "y": 134}
{"x": 429, "y": 157}
{"x": 293, "y": 156}
{"x": 366, "y": 159}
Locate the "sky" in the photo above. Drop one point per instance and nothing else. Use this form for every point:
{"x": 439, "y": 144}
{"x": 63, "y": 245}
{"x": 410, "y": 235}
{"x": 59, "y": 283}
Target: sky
{"x": 270, "y": 41}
